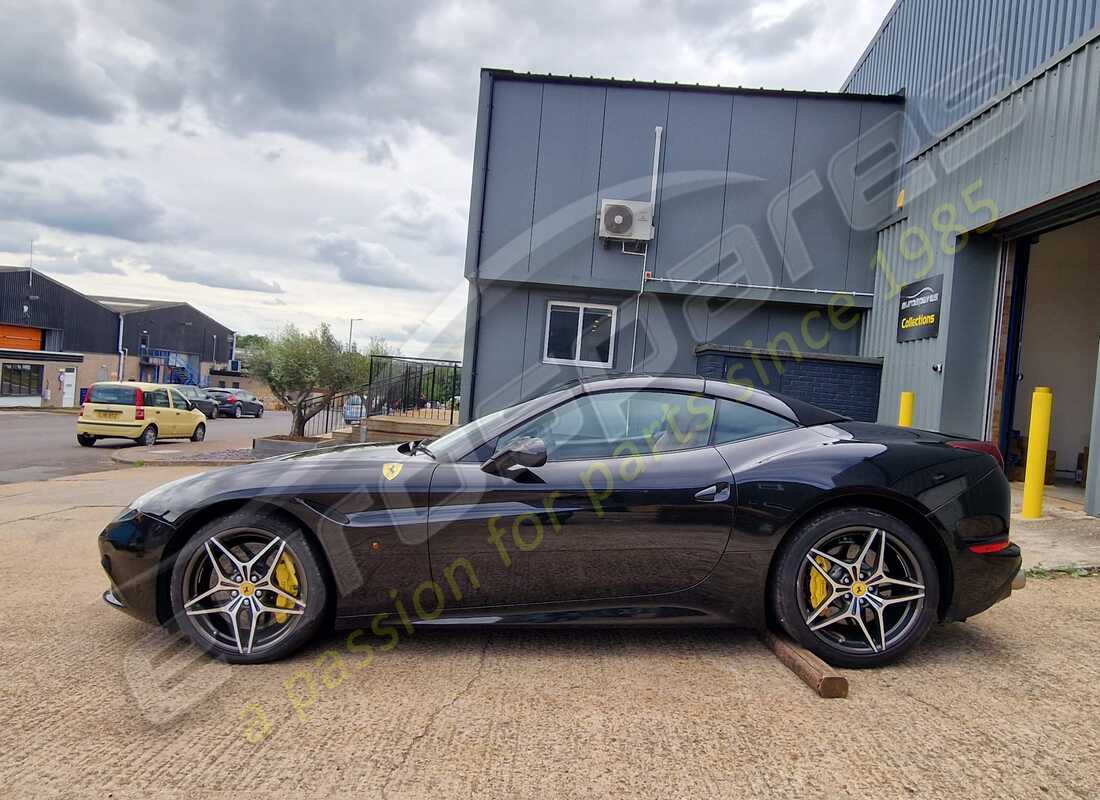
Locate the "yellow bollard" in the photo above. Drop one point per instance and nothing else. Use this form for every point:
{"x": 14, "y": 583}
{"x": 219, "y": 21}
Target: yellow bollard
{"x": 905, "y": 409}
{"x": 1038, "y": 437}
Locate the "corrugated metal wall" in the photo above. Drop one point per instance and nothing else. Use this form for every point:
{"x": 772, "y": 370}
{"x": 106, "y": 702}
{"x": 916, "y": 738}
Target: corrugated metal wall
{"x": 1040, "y": 142}
{"x": 933, "y": 49}
{"x": 88, "y": 327}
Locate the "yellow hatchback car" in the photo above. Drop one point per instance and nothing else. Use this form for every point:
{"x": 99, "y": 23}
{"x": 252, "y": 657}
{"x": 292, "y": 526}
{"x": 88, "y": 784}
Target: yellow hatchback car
{"x": 143, "y": 412}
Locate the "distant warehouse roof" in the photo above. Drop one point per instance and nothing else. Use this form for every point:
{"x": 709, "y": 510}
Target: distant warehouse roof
{"x": 129, "y": 305}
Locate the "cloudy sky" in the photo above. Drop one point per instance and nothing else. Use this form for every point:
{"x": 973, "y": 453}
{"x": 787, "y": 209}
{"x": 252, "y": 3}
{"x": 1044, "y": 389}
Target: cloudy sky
{"x": 307, "y": 162}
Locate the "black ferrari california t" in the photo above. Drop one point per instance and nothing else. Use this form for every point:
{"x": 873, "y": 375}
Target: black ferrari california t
{"x": 628, "y": 500}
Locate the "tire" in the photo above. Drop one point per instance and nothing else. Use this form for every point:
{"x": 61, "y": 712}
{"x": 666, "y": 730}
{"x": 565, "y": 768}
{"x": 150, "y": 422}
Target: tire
{"x": 85, "y": 440}
{"x": 237, "y": 413}
{"x": 259, "y": 412}
{"x": 214, "y": 413}
{"x": 245, "y": 534}
{"x": 148, "y": 436}
{"x": 199, "y": 433}
{"x": 905, "y": 593}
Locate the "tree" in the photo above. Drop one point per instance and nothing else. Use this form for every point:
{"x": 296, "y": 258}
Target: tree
{"x": 305, "y": 370}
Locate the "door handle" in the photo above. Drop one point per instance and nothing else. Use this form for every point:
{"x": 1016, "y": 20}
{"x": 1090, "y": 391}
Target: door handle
{"x": 718, "y": 493}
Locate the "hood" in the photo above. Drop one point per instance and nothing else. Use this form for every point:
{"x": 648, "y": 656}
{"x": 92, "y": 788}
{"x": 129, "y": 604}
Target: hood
{"x": 338, "y": 470}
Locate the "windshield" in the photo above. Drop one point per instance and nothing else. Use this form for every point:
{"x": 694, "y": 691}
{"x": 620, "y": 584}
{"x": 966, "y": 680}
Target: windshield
{"x": 460, "y": 441}
{"x": 117, "y": 395}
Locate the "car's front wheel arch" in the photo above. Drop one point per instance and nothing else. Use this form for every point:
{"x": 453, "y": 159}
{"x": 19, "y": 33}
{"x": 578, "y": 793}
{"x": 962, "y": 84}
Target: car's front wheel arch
{"x": 886, "y": 504}
{"x": 196, "y": 521}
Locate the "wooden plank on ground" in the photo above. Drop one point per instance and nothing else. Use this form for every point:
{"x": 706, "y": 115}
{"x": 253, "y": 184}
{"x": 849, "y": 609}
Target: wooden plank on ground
{"x": 814, "y": 672}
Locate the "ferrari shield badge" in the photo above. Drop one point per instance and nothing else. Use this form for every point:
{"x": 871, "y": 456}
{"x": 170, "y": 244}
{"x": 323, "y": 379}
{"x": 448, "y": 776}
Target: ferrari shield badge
{"x": 391, "y": 471}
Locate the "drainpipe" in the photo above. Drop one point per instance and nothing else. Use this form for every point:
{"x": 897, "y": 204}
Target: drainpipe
{"x": 645, "y": 255}
{"x": 121, "y": 349}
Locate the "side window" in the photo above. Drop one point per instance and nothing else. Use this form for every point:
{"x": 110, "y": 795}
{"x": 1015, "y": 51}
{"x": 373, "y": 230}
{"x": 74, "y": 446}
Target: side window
{"x": 579, "y": 333}
{"x": 178, "y": 399}
{"x": 738, "y": 421}
{"x": 157, "y": 398}
{"x": 620, "y": 424}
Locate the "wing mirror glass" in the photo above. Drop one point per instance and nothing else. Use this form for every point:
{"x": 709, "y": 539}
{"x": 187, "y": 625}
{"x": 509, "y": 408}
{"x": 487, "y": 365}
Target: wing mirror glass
{"x": 526, "y": 452}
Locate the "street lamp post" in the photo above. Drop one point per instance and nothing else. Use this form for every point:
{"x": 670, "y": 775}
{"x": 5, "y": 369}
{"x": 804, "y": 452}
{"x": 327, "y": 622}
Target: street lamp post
{"x": 351, "y": 329}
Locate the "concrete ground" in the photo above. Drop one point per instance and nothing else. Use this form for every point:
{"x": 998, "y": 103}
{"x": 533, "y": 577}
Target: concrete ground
{"x": 99, "y": 705}
{"x": 1063, "y": 536}
{"x": 39, "y": 445}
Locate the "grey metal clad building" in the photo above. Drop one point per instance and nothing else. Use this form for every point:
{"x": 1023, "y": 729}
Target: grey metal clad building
{"x": 1002, "y": 183}
{"x": 934, "y": 228}
{"x": 751, "y": 194}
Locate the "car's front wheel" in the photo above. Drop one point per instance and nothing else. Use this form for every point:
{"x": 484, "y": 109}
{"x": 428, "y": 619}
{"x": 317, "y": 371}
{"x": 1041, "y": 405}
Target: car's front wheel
{"x": 248, "y": 588}
{"x": 199, "y": 434}
{"x": 855, "y": 586}
{"x": 259, "y": 412}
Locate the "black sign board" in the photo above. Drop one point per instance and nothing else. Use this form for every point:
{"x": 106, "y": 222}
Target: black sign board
{"x": 919, "y": 312}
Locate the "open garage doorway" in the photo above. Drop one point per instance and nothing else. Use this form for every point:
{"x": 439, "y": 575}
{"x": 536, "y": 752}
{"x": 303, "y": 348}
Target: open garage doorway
{"x": 1054, "y": 330}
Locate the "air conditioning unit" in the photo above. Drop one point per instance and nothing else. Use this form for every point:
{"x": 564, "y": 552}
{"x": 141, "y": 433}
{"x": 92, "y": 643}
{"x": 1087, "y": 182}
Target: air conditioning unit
{"x": 626, "y": 220}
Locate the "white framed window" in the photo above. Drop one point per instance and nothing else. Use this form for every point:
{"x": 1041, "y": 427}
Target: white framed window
{"x": 579, "y": 334}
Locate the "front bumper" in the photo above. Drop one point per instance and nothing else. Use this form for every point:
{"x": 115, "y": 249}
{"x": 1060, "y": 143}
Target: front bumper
{"x": 131, "y": 548}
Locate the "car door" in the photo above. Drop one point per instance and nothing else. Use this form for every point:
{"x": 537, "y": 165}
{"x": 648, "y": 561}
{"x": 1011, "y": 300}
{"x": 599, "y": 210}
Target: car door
{"x": 632, "y": 501}
{"x": 182, "y": 419}
{"x": 248, "y": 402}
{"x": 159, "y": 410}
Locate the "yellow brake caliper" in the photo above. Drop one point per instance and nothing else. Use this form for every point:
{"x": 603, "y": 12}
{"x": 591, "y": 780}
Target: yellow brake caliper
{"x": 819, "y": 590}
{"x": 287, "y": 580}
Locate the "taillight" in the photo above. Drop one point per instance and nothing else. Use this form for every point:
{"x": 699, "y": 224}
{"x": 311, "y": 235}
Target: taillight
{"x": 981, "y": 447}
{"x": 139, "y": 412}
{"x": 83, "y": 409}
{"x": 139, "y": 402}
{"x": 989, "y": 547}
{"x": 232, "y": 399}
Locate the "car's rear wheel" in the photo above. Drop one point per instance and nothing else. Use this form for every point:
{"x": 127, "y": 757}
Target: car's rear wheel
{"x": 248, "y": 588}
{"x": 855, "y": 586}
{"x": 199, "y": 434}
{"x": 237, "y": 411}
{"x": 148, "y": 436}
{"x": 85, "y": 440}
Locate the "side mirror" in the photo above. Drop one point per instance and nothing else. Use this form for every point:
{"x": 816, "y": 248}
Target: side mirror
{"x": 526, "y": 452}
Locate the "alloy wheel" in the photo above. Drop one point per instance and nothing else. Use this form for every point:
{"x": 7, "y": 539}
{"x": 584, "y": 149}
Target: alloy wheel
{"x": 861, "y": 590}
{"x": 245, "y": 590}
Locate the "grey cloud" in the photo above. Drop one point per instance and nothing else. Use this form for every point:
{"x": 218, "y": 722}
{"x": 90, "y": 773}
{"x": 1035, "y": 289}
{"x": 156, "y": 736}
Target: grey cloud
{"x": 362, "y": 75}
{"x": 40, "y": 67}
{"x": 775, "y": 39}
{"x": 379, "y": 153}
{"x": 70, "y": 261}
{"x": 119, "y": 207}
{"x": 366, "y": 263}
{"x": 29, "y": 135}
{"x": 217, "y": 275}
{"x": 273, "y": 154}
{"x": 419, "y": 217}
{"x": 16, "y": 238}
{"x": 158, "y": 88}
